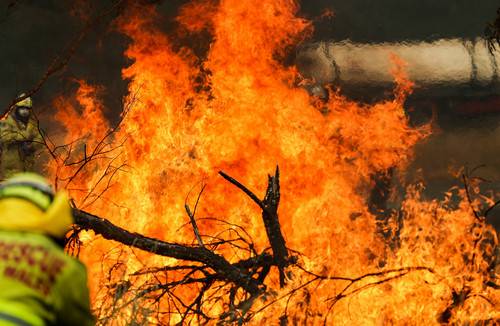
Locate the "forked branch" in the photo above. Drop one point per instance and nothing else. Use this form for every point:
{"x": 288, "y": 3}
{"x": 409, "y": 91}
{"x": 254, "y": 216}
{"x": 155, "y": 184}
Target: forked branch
{"x": 269, "y": 206}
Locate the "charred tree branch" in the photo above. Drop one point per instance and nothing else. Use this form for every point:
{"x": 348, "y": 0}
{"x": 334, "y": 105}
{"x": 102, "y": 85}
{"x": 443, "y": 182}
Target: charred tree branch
{"x": 272, "y": 224}
{"x": 219, "y": 264}
{"x": 192, "y": 218}
{"x": 243, "y": 188}
{"x": 269, "y": 208}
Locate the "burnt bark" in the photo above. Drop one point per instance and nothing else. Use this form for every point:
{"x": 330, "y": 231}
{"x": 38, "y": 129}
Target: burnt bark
{"x": 269, "y": 206}
{"x": 272, "y": 224}
{"x": 224, "y": 269}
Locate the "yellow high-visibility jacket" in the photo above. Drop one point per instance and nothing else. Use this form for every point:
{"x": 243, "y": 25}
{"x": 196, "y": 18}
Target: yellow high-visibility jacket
{"x": 39, "y": 284}
{"x": 18, "y": 146}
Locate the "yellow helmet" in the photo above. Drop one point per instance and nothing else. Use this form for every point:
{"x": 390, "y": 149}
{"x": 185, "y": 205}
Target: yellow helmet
{"x": 28, "y": 203}
{"x": 26, "y": 103}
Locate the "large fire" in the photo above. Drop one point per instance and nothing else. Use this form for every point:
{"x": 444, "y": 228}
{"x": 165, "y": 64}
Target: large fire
{"x": 239, "y": 109}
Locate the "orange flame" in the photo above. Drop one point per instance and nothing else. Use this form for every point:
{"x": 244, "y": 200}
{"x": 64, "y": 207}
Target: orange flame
{"x": 245, "y": 116}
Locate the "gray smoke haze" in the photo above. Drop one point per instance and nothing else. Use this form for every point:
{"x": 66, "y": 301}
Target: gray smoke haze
{"x": 33, "y": 32}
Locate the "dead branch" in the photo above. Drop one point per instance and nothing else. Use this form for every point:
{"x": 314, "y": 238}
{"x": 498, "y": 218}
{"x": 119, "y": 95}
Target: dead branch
{"x": 219, "y": 264}
{"x": 217, "y": 275}
{"x": 243, "y": 188}
{"x": 192, "y": 217}
{"x": 215, "y": 279}
{"x": 269, "y": 206}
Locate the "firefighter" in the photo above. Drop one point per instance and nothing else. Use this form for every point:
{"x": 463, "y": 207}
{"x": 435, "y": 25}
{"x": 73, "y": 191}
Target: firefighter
{"x": 20, "y": 140}
{"x": 39, "y": 283}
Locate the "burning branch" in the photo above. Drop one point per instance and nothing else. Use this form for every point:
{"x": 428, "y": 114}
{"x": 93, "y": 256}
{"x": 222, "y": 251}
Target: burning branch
{"x": 224, "y": 269}
{"x": 192, "y": 217}
{"x": 212, "y": 273}
{"x": 485, "y": 239}
{"x": 247, "y": 274}
{"x": 269, "y": 206}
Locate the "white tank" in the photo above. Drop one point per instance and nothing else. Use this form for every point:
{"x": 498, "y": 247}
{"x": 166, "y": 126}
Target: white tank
{"x": 448, "y": 62}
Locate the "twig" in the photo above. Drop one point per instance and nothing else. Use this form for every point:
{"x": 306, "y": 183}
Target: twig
{"x": 469, "y": 198}
{"x": 192, "y": 217}
{"x": 243, "y": 188}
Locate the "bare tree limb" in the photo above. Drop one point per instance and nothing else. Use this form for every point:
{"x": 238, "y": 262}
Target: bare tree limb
{"x": 269, "y": 208}
{"x": 219, "y": 264}
{"x": 243, "y": 188}
{"x": 192, "y": 217}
